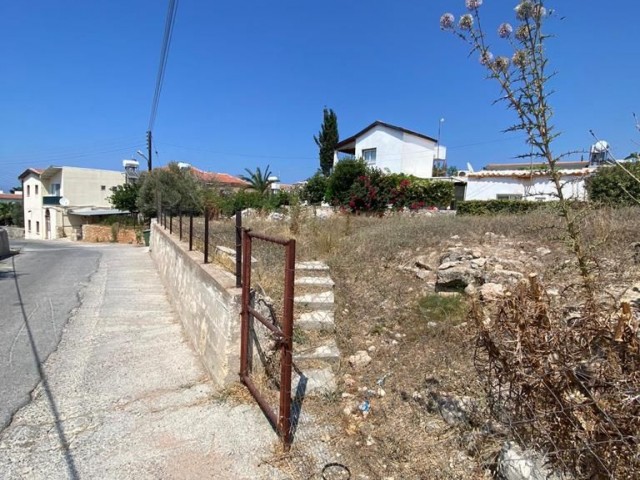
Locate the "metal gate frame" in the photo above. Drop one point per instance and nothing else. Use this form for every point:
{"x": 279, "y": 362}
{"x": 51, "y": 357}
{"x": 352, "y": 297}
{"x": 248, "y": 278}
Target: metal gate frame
{"x": 281, "y": 420}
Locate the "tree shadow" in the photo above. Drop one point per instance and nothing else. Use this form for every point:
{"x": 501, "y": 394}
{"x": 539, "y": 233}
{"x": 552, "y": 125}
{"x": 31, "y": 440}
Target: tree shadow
{"x": 71, "y": 468}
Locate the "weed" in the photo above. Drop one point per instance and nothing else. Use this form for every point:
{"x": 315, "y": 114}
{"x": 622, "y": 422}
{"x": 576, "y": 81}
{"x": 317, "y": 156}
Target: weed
{"x": 443, "y": 309}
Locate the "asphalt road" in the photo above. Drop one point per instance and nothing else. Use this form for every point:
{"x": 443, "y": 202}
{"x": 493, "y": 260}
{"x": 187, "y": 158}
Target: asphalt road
{"x": 39, "y": 289}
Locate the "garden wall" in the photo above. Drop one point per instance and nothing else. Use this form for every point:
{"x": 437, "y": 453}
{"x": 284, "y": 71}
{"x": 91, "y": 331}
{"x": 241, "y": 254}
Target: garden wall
{"x": 207, "y": 303}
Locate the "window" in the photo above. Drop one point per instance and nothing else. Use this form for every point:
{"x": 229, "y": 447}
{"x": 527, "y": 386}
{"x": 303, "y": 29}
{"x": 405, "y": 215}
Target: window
{"x": 369, "y": 155}
{"x": 28, "y": 190}
{"x": 29, "y": 226}
{"x": 36, "y": 187}
{"x": 37, "y": 227}
{"x": 55, "y": 189}
{"x": 103, "y": 187}
{"x": 508, "y": 196}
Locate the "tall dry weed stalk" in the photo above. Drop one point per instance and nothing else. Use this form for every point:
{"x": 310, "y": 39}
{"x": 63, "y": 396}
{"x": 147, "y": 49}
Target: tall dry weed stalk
{"x": 565, "y": 382}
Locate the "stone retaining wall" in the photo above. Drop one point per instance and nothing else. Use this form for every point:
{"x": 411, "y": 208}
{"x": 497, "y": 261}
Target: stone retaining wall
{"x": 14, "y": 232}
{"x": 207, "y": 303}
{"x": 104, "y": 233}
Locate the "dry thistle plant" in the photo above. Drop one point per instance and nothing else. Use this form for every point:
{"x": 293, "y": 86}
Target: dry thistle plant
{"x": 564, "y": 382}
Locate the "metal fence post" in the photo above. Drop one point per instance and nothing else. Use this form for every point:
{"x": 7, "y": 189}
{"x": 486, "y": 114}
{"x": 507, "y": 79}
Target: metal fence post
{"x": 238, "y": 249}
{"x": 171, "y": 222}
{"x": 191, "y": 231}
{"x": 206, "y": 236}
{"x": 180, "y": 224}
{"x": 287, "y": 344}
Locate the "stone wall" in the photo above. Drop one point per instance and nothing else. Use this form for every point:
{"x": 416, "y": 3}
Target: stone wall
{"x": 206, "y": 301}
{"x": 104, "y": 233}
{"x": 15, "y": 232}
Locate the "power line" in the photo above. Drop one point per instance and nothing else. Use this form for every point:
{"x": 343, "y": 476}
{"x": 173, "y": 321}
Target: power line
{"x": 164, "y": 55}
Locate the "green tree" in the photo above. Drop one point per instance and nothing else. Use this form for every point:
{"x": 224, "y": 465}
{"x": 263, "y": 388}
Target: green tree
{"x": 125, "y": 197}
{"x": 315, "y": 189}
{"x": 172, "y": 188}
{"x": 615, "y": 185}
{"x": 344, "y": 175}
{"x": 327, "y": 139}
{"x": 5, "y": 214}
{"x": 258, "y": 180}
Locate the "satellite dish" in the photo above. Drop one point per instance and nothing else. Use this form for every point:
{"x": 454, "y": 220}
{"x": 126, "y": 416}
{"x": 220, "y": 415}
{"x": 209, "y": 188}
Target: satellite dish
{"x": 64, "y": 201}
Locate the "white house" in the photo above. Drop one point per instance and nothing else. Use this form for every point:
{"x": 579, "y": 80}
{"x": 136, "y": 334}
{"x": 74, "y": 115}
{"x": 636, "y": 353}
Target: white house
{"x": 395, "y": 149}
{"x": 526, "y": 182}
{"x": 59, "y": 200}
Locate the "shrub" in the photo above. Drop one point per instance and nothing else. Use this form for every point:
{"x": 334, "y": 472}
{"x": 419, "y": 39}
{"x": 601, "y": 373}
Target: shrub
{"x": 315, "y": 190}
{"x": 496, "y": 207}
{"x": 612, "y": 185}
{"x": 344, "y": 175}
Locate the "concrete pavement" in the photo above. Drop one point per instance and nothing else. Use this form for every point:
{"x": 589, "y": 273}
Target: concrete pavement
{"x": 124, "y": 396}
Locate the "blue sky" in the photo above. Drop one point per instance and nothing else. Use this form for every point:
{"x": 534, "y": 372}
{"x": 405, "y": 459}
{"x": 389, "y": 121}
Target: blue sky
{"x": 247, "y": 80}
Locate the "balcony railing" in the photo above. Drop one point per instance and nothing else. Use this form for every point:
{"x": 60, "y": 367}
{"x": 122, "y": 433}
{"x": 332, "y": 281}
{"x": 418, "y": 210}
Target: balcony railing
{"x": 51, "y": 200}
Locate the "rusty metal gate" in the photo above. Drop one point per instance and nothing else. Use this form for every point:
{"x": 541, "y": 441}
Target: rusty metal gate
{"x": 280, "y": 418}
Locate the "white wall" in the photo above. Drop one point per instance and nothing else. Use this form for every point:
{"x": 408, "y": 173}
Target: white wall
{"x": 536, "y": 189}
{"x": 398, "y": 152}
{"x": 33, "y": 207}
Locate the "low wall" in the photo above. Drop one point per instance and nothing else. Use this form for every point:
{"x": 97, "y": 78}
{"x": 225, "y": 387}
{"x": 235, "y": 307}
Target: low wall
{"x": 206, "y": 301}
{"x": 4, "y": 243}
{"x": 15, "y": 232}
{"x": 104, "y": 233}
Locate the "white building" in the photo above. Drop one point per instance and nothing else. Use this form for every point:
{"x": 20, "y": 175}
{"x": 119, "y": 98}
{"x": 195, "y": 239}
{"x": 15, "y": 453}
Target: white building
{"x": 59, "y": 200}
{"x": 395, "y": 149}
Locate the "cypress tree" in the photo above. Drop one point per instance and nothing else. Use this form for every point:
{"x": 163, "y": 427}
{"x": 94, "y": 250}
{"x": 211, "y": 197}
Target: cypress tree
{"x": 327, "y": 140}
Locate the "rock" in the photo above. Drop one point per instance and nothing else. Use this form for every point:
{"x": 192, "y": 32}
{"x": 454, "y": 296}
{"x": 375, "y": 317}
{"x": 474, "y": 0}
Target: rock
{"x": 479, "y": 262}
{"x": 360, "y": 359}
{"x": 453, "y": 409}
{"x": 470, "y": 290}
{"x": 275, "y": 216}
{"x": 491, "y": 291}
{"x": 423, "y": 274}
{"x": 446, "y": 265}
{"x": 457, "y": 278}
{"x": 542, "y": 251}
{"x": 515, "y": 464}
{"x": 504, "y": 276}
{"x": 455, "y": 237}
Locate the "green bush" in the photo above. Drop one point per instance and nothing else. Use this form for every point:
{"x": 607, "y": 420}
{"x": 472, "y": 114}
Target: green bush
{"x": 344, "y": 175}
{"x": 315, "y": 190}
{"x": 495, "y": 207}
{"x": 611, "y": 185}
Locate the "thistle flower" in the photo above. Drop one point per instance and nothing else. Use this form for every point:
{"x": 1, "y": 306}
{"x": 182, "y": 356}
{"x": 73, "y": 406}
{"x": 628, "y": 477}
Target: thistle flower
{"x": 519, "y": 58}
{"x": 486, "y": 58}
{"x": 466, "y": 22}
{"x": 473, "y": 4}
{"x": 502, "y": 64}
{"x": 447, "y": 21}
{"x": 505, "y": 30}
{"x": 524, "y": 10}
{"x": 523, "y": 32}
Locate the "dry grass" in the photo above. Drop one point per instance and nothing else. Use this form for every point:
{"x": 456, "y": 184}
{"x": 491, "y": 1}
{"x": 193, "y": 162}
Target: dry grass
{"x": 379, "y": 306}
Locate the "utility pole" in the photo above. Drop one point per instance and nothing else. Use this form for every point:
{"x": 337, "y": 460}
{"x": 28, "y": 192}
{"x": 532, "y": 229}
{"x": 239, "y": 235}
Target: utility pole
{"x": 149, "y": 149}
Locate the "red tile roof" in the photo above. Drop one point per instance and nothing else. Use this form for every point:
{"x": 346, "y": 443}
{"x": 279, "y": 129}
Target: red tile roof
{"x": 37, "y": 171}
{"x": 11, "y": 197}
{"x": 219, "y": 178}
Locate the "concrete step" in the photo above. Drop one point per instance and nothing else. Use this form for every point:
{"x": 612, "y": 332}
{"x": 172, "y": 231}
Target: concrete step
{"x": 229, "y": 254}
{"x": 314, "y": 266}
{"x": 313, "y": 382}
{"x": 316, "y": 301}
{"x": 323, "y": 321}
{"x": 327, "y": 353}
{"x": 325, "y": 282}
